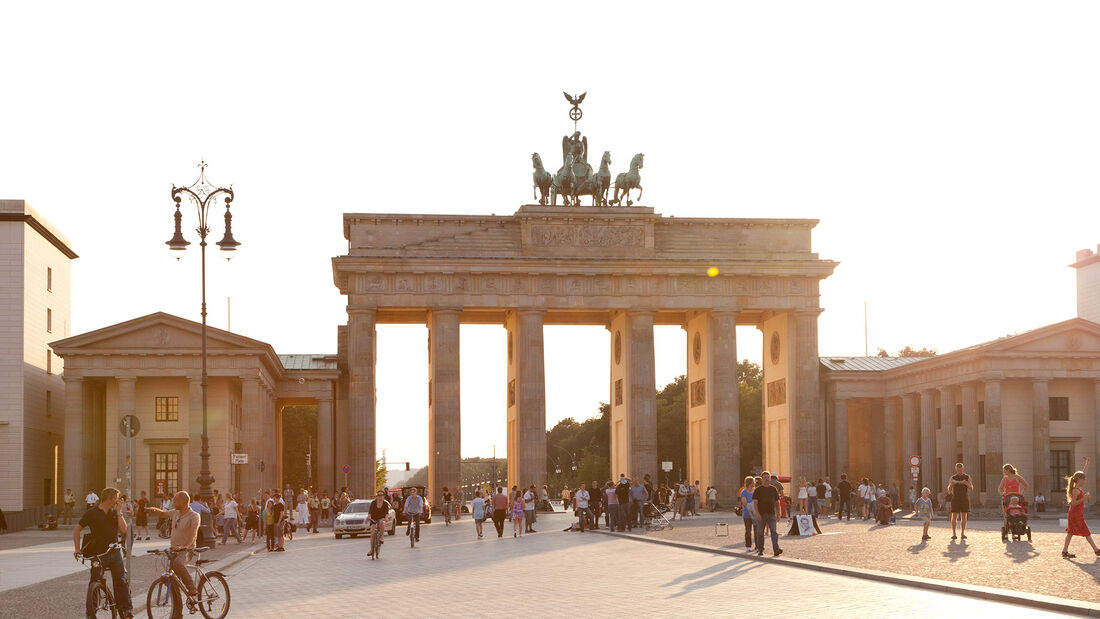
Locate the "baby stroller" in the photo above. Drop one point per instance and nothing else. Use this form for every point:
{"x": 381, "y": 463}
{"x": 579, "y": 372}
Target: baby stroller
{"x": 1017, "y": 519}
{"x": 655, "y": 520}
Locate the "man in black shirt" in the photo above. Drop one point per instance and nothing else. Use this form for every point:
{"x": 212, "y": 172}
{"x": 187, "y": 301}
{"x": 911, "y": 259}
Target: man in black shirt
{"x": 843, "y": 497}
{"x": 106, "y": 524}
{"x": 764, "y": 501}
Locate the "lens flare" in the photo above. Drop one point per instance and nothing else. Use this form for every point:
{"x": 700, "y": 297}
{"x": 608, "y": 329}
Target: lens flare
{"x": 712, "y": 271}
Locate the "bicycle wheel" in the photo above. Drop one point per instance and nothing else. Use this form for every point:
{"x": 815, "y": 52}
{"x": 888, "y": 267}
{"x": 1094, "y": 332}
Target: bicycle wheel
{"x": 101, "y": 600}
{"x": 213, "y": 599}
{"x": 376, "y": 540}
{"x": 163, "y": 599}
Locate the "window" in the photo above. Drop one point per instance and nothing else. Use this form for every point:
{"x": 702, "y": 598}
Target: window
{"x": 49, "y": 279}
{"x": 939, "y": 425}
{"x": 1059, "y": 469}
{"x": 981, "y": 472}
{"x": 49, "y": 362}
{"x": 166, "y": 466}
{"x": 49, "y": 320}
{"x": 168, "y": 409}
{"x": 958, "y": 415}
{"x": 1059, "y": 409}
{"x": 981, "y": 413}
{"x": 49, "y": 407}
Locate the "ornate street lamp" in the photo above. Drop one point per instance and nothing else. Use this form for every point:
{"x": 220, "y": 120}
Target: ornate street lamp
{"x": 202, "y": 193}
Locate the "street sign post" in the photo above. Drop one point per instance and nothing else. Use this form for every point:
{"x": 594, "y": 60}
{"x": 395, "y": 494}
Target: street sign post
{"x": 347, "y": 470}
{"x": 914, "y": 467}
{"x": 128, "y": 427}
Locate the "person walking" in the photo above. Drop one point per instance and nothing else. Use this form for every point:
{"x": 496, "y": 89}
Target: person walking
{"x": 303, "y": 509}
{"x": 90, "y": 500}
{"x": 268, "y": 518}
{"x": 106, "y": 524}
{"x": 622, "y": 493}
{"x": 326, "y": 506}
{"x": 231, "y": 520}
{"x": 712, "y": 498}
{"x": 924, "y": 510}
{"x": 314, "y": 502}
{"x": 529, "y": 509}
{"x": 544, "y": 497}
{"x": 517, "y": 513}
{"x": 566, "y": 498}
{"x": 682, "y": 494}
{"x": 764, "y": 501}
{"x": 251, "y": 522}
{"x": 1012, "y": 484}
{"x": 959, "y": 486}
{"x": 280, "y": 509}
{"x": 477, "y": 508}
{"x": 68, "y": 503}
{"x": 611, "y": 501}
{"x": 142, "y": 518}
{"x": 747, "y": 510}
{"x": 638, "y": 499}
{"x": 500, "y": 510}
{"x": 584, "y": 514}
{"x": 1076, "y": 495}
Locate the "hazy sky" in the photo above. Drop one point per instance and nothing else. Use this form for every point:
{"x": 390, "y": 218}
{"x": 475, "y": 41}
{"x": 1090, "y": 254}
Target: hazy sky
{"x": 948, "y": 148}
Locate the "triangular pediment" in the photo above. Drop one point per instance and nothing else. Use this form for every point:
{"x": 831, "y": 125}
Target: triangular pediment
{"x": 155, "y": 332}
{"x": 1075, "y": 336}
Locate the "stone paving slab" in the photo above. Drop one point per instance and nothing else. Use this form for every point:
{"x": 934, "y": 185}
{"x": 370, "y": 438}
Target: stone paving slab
{"x": 981, "y": 560}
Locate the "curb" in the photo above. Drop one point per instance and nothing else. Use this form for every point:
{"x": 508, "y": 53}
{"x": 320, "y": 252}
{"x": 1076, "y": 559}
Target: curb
{"x": 1020, "y": 598}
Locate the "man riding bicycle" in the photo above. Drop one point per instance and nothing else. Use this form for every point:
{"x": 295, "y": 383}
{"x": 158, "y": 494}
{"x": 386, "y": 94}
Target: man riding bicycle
{"x": 414, "y": 507}
{"x": 106, "y": 524}
{"x": 185, "y": 529}
{"x": 379, "y": 510}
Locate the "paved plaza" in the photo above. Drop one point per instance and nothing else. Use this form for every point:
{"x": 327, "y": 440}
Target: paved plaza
{"x": 451, "y": 573}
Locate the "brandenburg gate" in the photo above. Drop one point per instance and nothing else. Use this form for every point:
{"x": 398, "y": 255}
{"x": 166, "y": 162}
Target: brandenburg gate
{"x": 624, "y": 267}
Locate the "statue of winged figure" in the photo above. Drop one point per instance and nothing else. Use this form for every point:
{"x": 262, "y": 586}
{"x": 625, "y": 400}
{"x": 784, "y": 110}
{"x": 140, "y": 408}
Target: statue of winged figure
{"x": 575, "y": 145}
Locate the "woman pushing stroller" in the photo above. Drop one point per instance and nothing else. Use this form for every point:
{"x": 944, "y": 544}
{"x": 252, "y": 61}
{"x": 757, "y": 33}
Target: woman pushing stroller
{"x": 1012, "y": 485}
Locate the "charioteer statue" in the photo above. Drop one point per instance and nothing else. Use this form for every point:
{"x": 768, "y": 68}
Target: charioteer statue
{"x": 577, "y": 178}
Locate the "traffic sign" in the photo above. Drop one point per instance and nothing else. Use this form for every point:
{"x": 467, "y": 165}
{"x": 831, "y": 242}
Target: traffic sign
{"x": 238, "y": 458}
{"x": 914, "y": 460}
{"x": 347, "y": 469}
{"x": 915, "y": 470}
{"x": 129, "y": 426}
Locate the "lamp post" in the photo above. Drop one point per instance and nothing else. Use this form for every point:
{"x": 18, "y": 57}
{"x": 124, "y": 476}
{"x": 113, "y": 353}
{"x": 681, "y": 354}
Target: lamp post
{"x": 202, "y": 193}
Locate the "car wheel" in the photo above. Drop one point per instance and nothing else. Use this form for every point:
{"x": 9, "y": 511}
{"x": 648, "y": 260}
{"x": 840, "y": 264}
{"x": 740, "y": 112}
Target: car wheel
{"x": 354, "y": 535}
{"x": 338, "y": 536}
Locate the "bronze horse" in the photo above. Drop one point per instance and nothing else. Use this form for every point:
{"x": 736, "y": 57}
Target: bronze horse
{"x": 542, "y": 179}
{"x": 596, "y": 185}
{"x": 629, "y": 180}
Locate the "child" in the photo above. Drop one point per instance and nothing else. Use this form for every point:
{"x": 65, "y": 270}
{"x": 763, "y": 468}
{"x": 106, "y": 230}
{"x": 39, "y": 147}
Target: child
{"x": 1077, "y": 496}
{"x": 1014, "y": 508}
{"x": 517, "y": 514}
{"x": 924, "y": 511}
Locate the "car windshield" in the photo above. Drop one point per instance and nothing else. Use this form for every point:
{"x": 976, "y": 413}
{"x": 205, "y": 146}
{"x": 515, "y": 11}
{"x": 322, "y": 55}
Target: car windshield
{"x": 357, "y": 508}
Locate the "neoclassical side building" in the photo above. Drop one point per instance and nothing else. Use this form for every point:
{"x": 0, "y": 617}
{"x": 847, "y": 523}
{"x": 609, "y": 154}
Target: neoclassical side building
{"x": 1031, "y": 399}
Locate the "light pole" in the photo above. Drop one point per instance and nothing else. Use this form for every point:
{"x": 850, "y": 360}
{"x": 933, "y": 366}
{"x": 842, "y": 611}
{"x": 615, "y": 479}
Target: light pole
{"x": 201, "y": 193}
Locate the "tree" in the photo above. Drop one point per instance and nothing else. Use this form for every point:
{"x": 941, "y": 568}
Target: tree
{"x": 750, "y": 382}
{"x": 908, "y": 351}
{"x": 379, "y": 474}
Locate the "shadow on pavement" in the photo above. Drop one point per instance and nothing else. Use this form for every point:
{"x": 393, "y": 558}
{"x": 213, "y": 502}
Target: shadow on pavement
{"x": 956, "y": 551}
{"x": 714, "y": 575}
{"x": 1021, "y": 551}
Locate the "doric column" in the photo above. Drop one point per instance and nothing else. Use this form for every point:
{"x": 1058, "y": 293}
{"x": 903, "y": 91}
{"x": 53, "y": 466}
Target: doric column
{"x": 948, "y": 449}
{"x": 526, "y": 398}
{"x": 633, "y": 395}
{"x": 928, "y": 447}
{"x": 970, "y": 437}
{"x": 807, "y": 460}
{"x": 127, "y": 405}
{"x": 325, "y": 471}
{"x": 341, "y": 456}
{"x": 251, "y": 435}
{"x": 890, "y": 427}
{"x": 269, "y": 477}
{"x": 910, "y": 436}
{"x": 994, "y": 441}
{"x": 194, "y": 435}
{"x": 725, "y": 405}
{"x": 1040, "y": 434}
{"x": 444, "y": 407}
{"x": 77, "y": 456}
{"x": 840, "y": 441}
{"x": 362, "y": 343}
{"x": 1095, "y": 427}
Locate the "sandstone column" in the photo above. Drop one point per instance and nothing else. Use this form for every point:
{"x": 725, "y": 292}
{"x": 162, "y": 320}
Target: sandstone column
{"x": 76, "y": 453}
{"x": 840, "y": 441}
{"x": 1096, "y": 429}
{"x": 970, "y": 439}
{"x": 948, "y": 449}
{"x": 890, "y": 434}
{"x": 362, "y": 342}
{"x": 325, "y": 471}
{"x": 251, "y": 435}
{"x": 725, "y": 407}
{"x": 633, "y": 395}
{"x": 341, "y": 456}
{"x": 807, "y": 460}
{"x": 526, "y": 398}
{"x": 928, "y": 448}
{"x": 910, "y": 438}
{"x": 1040, "y": 435}
{"x": 876, "y": 423}
{"x": 269, "y": 477}
{"x": 994, "y": 441}
{"x": 444, "y": 407}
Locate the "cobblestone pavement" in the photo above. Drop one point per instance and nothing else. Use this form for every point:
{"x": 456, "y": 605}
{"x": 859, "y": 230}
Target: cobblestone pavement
{"x": 451, "y": 573}
{"x": 981, "y": 559}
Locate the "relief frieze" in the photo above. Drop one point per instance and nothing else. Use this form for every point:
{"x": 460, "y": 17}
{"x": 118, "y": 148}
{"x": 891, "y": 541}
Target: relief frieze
{"x": 548, "y": 235}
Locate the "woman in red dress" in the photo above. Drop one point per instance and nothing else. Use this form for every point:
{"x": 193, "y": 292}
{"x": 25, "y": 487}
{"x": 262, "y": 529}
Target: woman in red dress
{"x": 1076, "y": 495}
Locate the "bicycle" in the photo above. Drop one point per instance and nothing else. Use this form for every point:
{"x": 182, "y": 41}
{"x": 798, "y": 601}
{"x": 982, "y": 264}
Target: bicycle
{"x": 99, "y": 596}
{"x": 375, "y": 539}
{"x": 410, "y": 531}
{"x": 163, "y": 599}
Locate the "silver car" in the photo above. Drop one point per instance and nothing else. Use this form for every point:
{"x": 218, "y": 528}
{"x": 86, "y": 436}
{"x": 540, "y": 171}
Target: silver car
{"x": 353, "y": 520}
